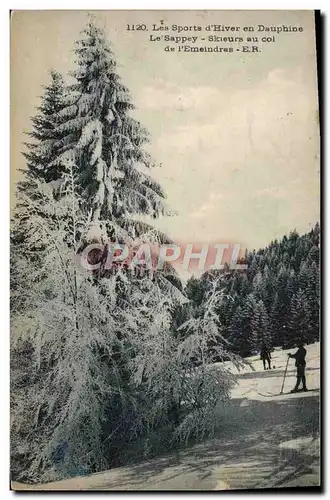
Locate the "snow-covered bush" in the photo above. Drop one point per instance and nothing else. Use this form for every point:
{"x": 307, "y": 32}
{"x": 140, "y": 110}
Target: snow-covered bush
{"x": 72, "y": 329}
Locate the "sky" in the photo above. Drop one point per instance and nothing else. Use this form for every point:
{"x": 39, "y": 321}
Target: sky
{"x": 236, "y": 135}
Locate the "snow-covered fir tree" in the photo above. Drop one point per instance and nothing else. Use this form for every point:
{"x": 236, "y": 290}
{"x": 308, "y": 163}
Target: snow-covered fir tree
{"x": 105, "y": 142}
{"x": 87, "y": 375}
{"x": 42, "y": 148}
{"x": 45, "y": 145}
{"x": 260, "y": 327}
{"x": 299, "y": 324}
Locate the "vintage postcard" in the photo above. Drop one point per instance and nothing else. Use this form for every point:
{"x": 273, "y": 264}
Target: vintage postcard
{"x": 165, "y": 250}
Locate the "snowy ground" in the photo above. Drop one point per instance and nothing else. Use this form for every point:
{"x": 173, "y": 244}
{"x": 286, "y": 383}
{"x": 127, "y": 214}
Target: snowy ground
{"x": 265, "y": 442}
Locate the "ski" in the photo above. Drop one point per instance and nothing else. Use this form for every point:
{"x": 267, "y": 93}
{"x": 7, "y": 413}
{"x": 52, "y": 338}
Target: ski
{"x": 269, "y": 395}
{"x": 273, "y": 395}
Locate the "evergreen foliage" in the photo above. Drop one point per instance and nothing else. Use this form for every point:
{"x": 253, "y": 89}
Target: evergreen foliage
{"x": 275, "y": 301}
{"x": 97, "y": 369}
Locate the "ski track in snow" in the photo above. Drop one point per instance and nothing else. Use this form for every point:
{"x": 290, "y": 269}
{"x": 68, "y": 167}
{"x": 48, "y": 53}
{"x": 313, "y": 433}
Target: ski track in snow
{"x": 262, "y": 442}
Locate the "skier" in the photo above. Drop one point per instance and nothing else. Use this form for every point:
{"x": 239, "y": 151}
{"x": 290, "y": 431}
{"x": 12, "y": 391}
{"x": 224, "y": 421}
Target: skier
{"x": 265, "y": 356}
{"x": 300, "y": 356}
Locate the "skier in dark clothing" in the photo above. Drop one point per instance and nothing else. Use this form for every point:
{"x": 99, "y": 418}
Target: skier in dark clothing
{"x": 300, "y": 356}
{"x": 265, "y": 356}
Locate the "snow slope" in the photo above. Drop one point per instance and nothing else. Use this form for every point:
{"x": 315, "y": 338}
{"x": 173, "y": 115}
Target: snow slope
{"x": 252, "y": 384}
{"x": 262, "y": 442}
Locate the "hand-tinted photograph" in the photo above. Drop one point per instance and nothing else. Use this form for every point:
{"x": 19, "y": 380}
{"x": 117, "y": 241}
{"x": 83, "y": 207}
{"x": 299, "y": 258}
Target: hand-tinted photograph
{"x": 165, "y": 250}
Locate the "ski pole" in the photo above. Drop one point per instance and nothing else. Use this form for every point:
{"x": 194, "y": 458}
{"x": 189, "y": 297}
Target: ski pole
{"x": 285, "y": 375}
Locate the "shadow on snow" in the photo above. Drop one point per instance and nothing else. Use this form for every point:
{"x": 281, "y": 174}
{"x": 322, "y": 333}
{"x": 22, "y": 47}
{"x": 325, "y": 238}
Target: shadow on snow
{"x": 260, "y": 444}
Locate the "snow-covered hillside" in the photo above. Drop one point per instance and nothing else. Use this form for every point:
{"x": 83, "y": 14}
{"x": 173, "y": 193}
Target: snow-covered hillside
{"x": 262, "y": 441}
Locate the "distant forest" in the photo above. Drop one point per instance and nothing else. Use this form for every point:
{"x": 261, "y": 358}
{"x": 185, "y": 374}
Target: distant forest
{"x": 275, "y": 301}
